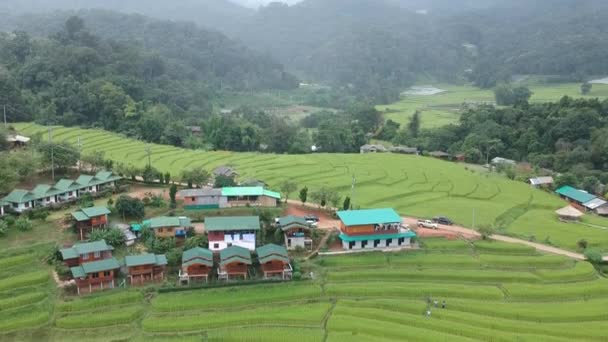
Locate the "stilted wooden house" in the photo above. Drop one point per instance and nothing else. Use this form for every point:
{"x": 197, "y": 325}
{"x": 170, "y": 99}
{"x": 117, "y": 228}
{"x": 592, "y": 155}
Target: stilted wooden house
{"x": 92, "y": 265}
{"x": 373, "y": 229}
{"x": 145, "y": 268}
{"x": 223, "y": 232}
{"x": 274, "y": 262}
{"x": 169, "y": 226}
{"x": 234, "y": 263}
{"x": 197, "y": 264}
{"x": 297, "y": 232}
{"x": 88, "y": 219}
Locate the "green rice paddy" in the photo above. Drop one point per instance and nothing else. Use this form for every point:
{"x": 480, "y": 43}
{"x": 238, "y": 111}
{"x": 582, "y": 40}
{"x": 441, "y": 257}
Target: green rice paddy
{"x": 524, "y": 296}
{"x": 442, "y": 109}
{"x": 414, "y": 186}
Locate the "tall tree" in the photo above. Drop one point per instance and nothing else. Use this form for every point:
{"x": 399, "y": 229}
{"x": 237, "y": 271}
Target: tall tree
{"x": 413, "y": 126}
{"x": 288, "y": 187}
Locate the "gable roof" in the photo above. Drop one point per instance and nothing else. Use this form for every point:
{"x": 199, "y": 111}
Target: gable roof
{"x": 272, "y": 252}
{"x": 84, "y": 179}
{"x": 145, "y": 259}
{"x": 541, "y": 180}
{"x": 289, "y": 221}
{"x": 228, "y": 223}
{"x": 106, "y": 176}
{"x": 94, "y": 267}
{"x": 83, "y": 248}
{"x": 86, "y": 214}
{"x": 44, "y": 190}
{"x": 204, "y": 192}
{"x": 235, "y": 253}
{"x": 66, "y": 185}
{"x": 168, "y": 221}
{"x": 575, "y": 194}
{"x": 594, "y": 203}
{"x": 368, "y": 216}
{"x": 249, "y": 191}
{"x": 197, "y": 255}
{"x": 19, "y": 196}
{"x": 224, "y": 171}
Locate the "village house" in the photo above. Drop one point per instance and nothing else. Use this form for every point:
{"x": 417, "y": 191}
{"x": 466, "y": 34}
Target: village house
{"x": 194, "y": 130}
{"x": 92, "y": 266}
{"x": 541, "y": 182}
{"x": 234, "y": 263}
{"x": 225, "y": 171}
{"x": 373, "y": 229}
{"x": 44, "y": 195}
{"x": 88, "y": 219}
{"x": 440, "y": 155}
{"x": 248, "y": 197}
{"x": 404, "y": 150}
{"x": 196, "y": 199}
{"x": 274, "y": 262}
{"x": 581, "y": 200}
{"x": 296, "y": 231}
{"x": 145, "y": 268}
{"x": 197, "y": 264}
{"x": 502, "y": 161}
{"x": 169, "y": 226}
{"x": 370, "y": 148}
{"x": 224, "y": 232}
{"x": 17, "y": 141}
{"x": 2, "y": 205}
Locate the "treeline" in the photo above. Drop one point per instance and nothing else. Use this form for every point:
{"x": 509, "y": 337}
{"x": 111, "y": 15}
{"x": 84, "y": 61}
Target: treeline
{"x": 568, "y": 137}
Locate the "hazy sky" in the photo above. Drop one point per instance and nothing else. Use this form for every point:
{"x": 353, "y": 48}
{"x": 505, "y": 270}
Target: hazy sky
{"x": 256, "y": 3}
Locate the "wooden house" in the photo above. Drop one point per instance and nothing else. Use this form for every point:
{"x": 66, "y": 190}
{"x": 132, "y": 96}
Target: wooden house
{"x": 145, "y": 268}
{"x": 296, "y": 231}
{"x": 92, "y": 265}
{"x": 540, "y": 182}
{"x": 197, "y": 264}
{"x": 373, "y": 229}
{"x": 274, "y": 262}
{"x": 234, "y": 263}
{"x": 256, "y": 196}
{"x": 169, "y": 226}
{"x": 224, "y": 232}
{"x": 579, "y": 199}
{"x": 88, "y": 219}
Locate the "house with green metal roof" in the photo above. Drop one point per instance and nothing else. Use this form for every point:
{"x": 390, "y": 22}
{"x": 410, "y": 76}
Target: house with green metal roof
{"x": 580, "y": 199}
{"x": 145, "y": 268}
{"x": 87, "y": 219}
{"x": 86, "y": 252}
{"x": 274, "y": 261}
{"x": 20, "y": 200}
{"x": 234, "y": 263}
{"x": 373, "y": 229}
{"x": 95, "y": 275}
{"x": 297, "y": 232}
{"x": 256, "y": 196}
{"x": 197, "y": 264}
{"x": 226, "y": 231}
{"x": 168, "y": 226}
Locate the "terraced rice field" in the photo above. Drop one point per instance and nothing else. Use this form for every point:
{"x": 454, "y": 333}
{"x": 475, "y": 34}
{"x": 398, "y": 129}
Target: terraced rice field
{"x": 415, "y": 186}
{"x": 442, "y": 109}
{"x": 493, "y": 291}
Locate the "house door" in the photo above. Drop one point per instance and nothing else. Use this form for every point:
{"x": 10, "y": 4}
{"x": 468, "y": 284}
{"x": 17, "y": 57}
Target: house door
{"x": 376, "y": 243}
{"x": 351, "y": 245}
{"x": 388, "y": 242}
{"x": 288, "y": 242}
{"x": 363, "y": 243}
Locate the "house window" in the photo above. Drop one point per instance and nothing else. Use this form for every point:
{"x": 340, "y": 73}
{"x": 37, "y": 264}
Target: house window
{"x": 351, "y": 245}
{"x": 192, "y": 199}
{"x": 106, "y": 273}
{"x": 48, "y": 199}
{"x": 400, "y": 241}
{"x": 70, "y": 193}
{"x": 376, "y": 243}
{"x": 85, "y": 256}
{"x": 97, "y": 255}
{"x": 363, "y": 243}
{"x": 229, "y": 244}
{"x": 216, "y": 245}
{"x": 15, "y": 205}
{"x": 388, "y": 242}
{"x": 160, "y": 230}
{"x": 95, "y": 275}
{"x": 27, "y": 204}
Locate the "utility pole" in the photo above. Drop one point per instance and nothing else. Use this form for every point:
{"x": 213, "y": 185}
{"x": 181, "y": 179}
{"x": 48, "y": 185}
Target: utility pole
{"x": 352, "y": 191}
{"x": 5, "y": 126}
{"x": 79, "y": 145}
{"x": 149, "y": 153}
{"x": 52, "y": 152}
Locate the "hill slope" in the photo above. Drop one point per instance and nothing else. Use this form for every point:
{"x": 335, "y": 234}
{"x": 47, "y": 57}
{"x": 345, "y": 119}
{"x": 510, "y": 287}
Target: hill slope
{"x": 415, "y": 186}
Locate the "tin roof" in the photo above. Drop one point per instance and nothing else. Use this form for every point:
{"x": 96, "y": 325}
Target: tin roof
{"x": 575, "y": 194}
{"x": 228, "y": 223}
{"x": 272, "y": 252}
{"x": 235, "y": 253}
{"x": 168, "y": 221}
{"x": 368, "y": 216}
{"x": 84, "y": 248}
{"x": 541, "y": 180}
{"x": 197, "y": 255}
{"x": 249, "y": 191}
{"x": 353, "y": 238}
{"x": 145, "y": 259}
{"x": 287, "y": 221}
{"x": 204, "y": 192}
{"x": 594, "y": 203}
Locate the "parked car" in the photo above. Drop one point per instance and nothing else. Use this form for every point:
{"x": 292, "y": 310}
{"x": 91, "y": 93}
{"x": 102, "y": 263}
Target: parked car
{"x": 427, "y": 224}
{"x": 312, "y": 220}
{"x": 443, "y": 220}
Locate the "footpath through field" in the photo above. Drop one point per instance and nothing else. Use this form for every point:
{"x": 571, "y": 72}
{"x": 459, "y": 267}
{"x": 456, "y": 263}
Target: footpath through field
{"x": 469, "y": 233}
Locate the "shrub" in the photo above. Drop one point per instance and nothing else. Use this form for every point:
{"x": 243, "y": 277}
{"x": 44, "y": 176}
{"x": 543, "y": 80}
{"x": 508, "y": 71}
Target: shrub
{"x": 582, "y": 244}
{"x": 297, "y": 275}
{"x": 9, "y": 219}
{"x": 593, "y": 255}
{"x": 3, "y": 228}
{"x": 485, "y": 231}
{"x": 23, "y": 224}
{"x": 113, "y": 236}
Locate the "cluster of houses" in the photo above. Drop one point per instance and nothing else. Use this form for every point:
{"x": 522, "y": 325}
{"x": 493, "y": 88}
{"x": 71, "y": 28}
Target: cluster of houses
{"x": 65, "y": 190}
{"x": 94, "y": 268}
{"x": 580, "y": 202}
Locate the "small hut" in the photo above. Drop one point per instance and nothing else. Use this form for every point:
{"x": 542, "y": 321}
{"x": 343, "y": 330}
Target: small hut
{"x": 234, "y": 263}
{"x": 197, "y": 264}
{"x": 274, "y": 262}
{"x": 569, "y": 214}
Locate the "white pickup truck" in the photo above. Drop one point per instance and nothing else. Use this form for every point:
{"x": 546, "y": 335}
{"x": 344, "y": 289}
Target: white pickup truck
{"x": 427, "y": 224}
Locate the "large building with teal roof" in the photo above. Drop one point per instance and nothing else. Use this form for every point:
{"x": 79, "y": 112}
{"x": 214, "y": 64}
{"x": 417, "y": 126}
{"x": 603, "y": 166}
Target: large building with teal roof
{"x": 373, "y": 229}
{"x": 229, "y": 197}
{"x": 43, "y": 195}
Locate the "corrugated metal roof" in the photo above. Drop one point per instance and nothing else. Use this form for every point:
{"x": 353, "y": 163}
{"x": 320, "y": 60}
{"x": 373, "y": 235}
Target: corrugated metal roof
{"x": 235, "y": 253}
{"x": 354, "y": 238}
{"x": 541, "y": 180}
{"x": 293, "y": 220}
{"x": 145, "y": 259}
{"x": 232, "y": 223}
{"x": 369, "y": 216}
{"x": 101, "y": 265}
{"x": 249, "y": 191}
{"x": 167, "y": 221}
{"x": 594, "y": 203}
{"x": 19, "y": 196}
{"x": 205, "y": 192}
{"x": 575, "y": 194}
{"x": 84, "y": 248}
{"x": 197, "y": 255}
{"x": 272, "y": 252}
